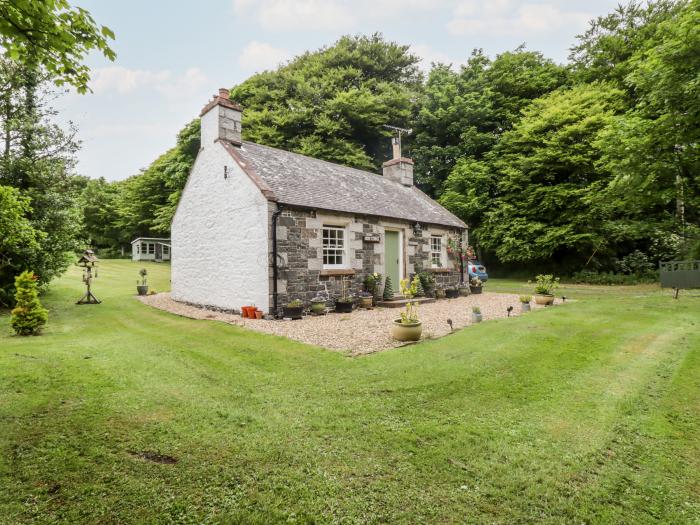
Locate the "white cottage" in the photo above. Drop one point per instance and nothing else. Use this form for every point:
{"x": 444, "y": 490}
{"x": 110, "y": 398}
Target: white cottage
{"x": 262, "y": 226}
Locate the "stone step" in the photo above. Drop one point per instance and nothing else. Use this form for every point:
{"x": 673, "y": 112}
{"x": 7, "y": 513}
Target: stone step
{"x": 401, "y": 302}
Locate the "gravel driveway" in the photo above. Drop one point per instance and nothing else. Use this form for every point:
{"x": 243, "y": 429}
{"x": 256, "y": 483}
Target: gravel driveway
{"x": 363, "y": 331}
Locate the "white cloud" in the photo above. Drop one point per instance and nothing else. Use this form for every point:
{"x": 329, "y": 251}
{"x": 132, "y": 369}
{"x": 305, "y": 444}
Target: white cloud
{"x": 429, "y": 55}
{"x": 123, "y": 80}
{"x": 293, "y": 15}
{"x": 119, "y": 80}
{"x": 258, "y": 56}
{"x": 500, "y": 17}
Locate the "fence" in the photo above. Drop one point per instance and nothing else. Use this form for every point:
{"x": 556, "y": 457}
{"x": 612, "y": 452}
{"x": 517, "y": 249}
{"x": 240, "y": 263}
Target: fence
{"x": 680, "y": 274}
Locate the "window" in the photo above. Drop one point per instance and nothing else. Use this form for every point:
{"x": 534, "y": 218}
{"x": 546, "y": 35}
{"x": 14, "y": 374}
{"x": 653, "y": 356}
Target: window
{"x": 166, "y": 249}
{"x": 333, "y": 247}
{"x": 436, "y": 251}
{"x": 148, "y": 247}
{"x": 138, "y": 249}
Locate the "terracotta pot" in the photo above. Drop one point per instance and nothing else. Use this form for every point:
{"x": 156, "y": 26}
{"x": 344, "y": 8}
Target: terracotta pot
{"x": 244, "y": 312}
{"x": 258, "y": 314}
{"x": 544, "y": 299}
{"x": 406, "y": 332}
{"x": 142, "y": 290}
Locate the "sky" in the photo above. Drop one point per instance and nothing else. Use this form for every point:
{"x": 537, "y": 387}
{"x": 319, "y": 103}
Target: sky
{"x": 172, "y": 56}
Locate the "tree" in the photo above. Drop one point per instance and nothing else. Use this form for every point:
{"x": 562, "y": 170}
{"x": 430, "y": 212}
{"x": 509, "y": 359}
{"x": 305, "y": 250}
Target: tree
{"x": 53, "y": 35}
{"x": 28, "y": 316}
{"x": 332, "y": 103}
{"x": 463, "y": 114}
{"x": 545, "y": 183}
{"x": 17, "y": 236}
{"x": 37, "y": 160}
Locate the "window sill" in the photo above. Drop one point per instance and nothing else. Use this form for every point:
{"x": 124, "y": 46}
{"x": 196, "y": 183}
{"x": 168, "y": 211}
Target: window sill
{"x": 440, "y": 270}
{"x": 337, "y": 271}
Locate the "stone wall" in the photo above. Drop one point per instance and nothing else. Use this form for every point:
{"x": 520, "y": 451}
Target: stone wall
{"x": 300, "y": 253}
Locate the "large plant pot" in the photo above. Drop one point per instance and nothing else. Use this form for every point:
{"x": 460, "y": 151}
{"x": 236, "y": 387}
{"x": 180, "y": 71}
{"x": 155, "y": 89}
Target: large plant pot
{"x": 439, "y": 294}
{"x": 293, "y": 312}
{"x": 475, "y": 289}
{"x": 366, "y": 302}
{"x": 463, "y": 291}
{"x": 525, "y": 307}
{"x": 543, "y": 299}
{"x": 342, "y": 307}
{"x": 406, "y": 332}
{"x": 142, "y": 290}
{"x": 318, "y": 307}
{"x": 476, "y": 318}
{"x": 451, "y": 293}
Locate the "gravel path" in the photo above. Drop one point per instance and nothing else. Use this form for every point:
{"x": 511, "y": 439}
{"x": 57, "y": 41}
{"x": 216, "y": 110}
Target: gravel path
{"x": 363, "y": 331}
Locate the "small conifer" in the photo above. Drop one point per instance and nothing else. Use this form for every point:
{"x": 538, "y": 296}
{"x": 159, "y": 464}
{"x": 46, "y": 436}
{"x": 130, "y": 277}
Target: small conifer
{"x": 28, "y": 316}
{"x": 388, "y": 289}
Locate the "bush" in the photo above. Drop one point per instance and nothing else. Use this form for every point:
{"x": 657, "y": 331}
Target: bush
{"x": 28, "y": 316}
{"x": 611, "y": 278}
{"x": 427, "y": 281}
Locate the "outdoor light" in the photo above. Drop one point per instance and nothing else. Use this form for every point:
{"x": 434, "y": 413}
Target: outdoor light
{"x": 417, "y": 228}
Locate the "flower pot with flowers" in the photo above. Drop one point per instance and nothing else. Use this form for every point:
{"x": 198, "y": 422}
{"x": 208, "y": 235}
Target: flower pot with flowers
{"x": 142, "y": 284}
{"x": 408, "y": 327}
{"x": 344, "y": 304}
{"x": 545, "y": 286}
{"x": 373, "y": 286}
{"x": 460, "y": 252}
{"x": 475, "y": 285}
{"x": 476, "y": 314}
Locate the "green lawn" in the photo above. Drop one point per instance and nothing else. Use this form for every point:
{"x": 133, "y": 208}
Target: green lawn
{"x": 583, "y": 413}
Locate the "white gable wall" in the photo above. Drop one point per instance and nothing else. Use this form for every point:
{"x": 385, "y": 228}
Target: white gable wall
{"x": 220, "y": 235}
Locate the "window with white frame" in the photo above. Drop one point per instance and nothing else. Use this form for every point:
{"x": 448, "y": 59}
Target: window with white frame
{"x": 436, "y": 251}
{"x": 148, "y": 247}
{"x": 333, "y": 247}
{"x": 166, "y": 249}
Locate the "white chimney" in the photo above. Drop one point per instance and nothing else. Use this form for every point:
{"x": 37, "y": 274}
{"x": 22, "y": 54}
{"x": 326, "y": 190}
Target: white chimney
{"x": 221, "y": 120}
{"x": 399, "y": 169}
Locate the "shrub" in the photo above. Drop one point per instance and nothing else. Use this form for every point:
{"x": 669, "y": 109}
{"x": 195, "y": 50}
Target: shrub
{"x": 525, "y": 298}
{"x": 610, "y": 278}
{"x": 296, "y": 303}
{"x": 28, "y": 316}
{"x": 427, "y": 281}
{"x": 546, "y": 284}
{"x": 476, "y": 310}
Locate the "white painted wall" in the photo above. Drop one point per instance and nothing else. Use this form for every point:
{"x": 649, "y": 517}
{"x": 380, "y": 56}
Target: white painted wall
{"x": 219, "y": 234}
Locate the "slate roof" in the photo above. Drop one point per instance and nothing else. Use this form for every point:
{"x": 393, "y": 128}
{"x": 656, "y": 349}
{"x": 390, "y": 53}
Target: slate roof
{"x": 299, "y": 180}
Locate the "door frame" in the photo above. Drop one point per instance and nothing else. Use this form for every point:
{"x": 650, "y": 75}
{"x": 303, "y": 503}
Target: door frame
{"x": 402, "y": 252}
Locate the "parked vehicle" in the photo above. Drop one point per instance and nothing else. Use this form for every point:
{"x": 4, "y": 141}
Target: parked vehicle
{"x": 476, "y": 269}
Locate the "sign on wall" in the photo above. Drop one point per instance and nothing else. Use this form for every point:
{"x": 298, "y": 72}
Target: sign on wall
{"x": 371, "y": 237}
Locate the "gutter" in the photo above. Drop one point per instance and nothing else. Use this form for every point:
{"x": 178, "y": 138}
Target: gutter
{"x": 275, "y": 216}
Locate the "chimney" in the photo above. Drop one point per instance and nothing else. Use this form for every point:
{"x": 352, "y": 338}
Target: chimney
{"x": 221, "y": 120}
{"x": 399, "y": 169}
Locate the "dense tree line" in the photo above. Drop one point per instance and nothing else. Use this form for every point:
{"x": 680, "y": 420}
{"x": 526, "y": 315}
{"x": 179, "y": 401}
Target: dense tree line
{"x": 566, "y": 166}
{"x": 588, "y": 165}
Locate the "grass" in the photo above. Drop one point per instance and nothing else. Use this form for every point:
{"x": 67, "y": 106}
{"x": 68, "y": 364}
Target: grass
{"x": 583, "y": 413}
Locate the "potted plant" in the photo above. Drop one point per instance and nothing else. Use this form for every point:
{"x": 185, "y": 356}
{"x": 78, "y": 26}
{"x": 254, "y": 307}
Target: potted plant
{"x": 344, "y": 304}
{"x": 142, "y": 284}
{"x": 293, "y": 309}
{"x": 545, "y": 286}
{"x": 408, "y": 327}
{"x": 463, "y": 289}
{"x": 451, "y": 292}
{"x": 525, "y": 302}
{"x": 439, "y": 292}
{"x": 476, "y": 314}
{"x": 373, "y": 285}
{"x": 475, "y": 285}
{"x": 318, "y": 305}
{"x": 427, "y": 281}
{"x": 258, "y": 314}
{"x": 366, "y": 300}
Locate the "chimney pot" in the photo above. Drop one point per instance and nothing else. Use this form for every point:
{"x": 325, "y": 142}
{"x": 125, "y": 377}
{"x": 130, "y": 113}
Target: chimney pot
{"x": 223, "y": 93}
